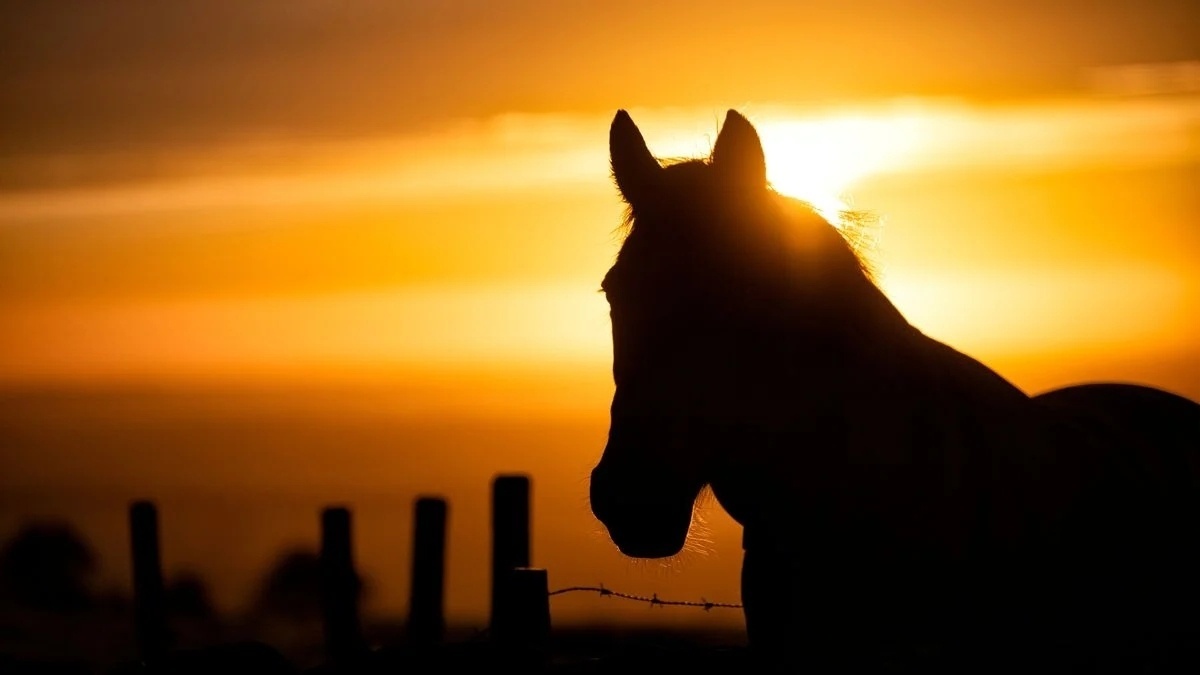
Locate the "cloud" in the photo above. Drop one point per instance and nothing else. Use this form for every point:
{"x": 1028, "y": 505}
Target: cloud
{"x": 529, "y": 153}
{"x": 120, "y": 73}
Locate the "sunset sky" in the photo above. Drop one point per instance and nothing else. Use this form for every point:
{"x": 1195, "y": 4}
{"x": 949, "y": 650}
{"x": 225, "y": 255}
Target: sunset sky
{"x": 414, "y": 197}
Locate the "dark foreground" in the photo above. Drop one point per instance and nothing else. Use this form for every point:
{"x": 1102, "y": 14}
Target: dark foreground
{"x": 573, "y": 650}
{"x": 603, "y": 651}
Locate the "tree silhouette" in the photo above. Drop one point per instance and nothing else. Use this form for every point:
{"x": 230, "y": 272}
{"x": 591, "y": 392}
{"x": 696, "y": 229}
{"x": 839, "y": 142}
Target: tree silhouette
{"x": 292, "y": 587}
{"x": 47, "y": 565}
{"x": 188, "y": 596}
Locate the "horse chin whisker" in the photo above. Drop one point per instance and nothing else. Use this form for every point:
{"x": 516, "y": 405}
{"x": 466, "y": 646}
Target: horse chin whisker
{"x": 676, "y": 564}
{"x": 697, "y": 546}
{"x": 600, "y": 532}
{"x": 660, "y": 567}
{"x": 692, "y": 551}
{"x": 699, "y": 540}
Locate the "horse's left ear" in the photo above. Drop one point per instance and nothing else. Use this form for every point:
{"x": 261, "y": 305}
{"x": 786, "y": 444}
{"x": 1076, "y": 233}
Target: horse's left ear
{"x": 738, "y": 151}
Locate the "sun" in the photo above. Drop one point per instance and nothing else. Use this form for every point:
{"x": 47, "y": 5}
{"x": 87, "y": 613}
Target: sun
{"x": 820, "y": 159}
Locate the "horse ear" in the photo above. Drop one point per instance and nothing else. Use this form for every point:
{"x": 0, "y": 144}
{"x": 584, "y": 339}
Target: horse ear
{"x": 738, "y": 151}
{"x": 634, "y": 168}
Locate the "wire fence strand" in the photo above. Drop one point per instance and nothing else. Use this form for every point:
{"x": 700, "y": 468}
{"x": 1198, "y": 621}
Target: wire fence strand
{"x": 652, "y": 600}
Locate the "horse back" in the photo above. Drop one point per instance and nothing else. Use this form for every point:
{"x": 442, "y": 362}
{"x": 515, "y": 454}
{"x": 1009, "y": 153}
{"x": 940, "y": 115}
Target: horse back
{"x": 1148, "y": 409}
{"x": 1157, "y": 427}
{"x": 1137, "y": 450}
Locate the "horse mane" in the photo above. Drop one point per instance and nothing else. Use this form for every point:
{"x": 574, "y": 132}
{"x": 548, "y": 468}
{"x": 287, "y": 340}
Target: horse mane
{"x": 860, "y": 228}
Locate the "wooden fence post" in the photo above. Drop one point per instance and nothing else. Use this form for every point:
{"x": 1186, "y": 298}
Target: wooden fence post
{"x": 149, "y": 598}
{"x": 339, "y": 588}
{"x": 523, "y": 627}
{"x": 510, "y": 539}
{"x": 426, "y": 615}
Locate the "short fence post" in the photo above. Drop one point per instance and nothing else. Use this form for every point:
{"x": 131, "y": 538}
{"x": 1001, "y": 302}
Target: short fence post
{"x": 510, "y": 539}
{"x": 426, "y": 616}
{"x": 523, "y": 627}
{"x": 149, "y": 599}
{"x": 339, "y": 587}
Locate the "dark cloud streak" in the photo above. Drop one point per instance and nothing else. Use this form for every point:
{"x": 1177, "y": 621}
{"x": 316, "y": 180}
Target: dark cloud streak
{"x": 79, "y": 74}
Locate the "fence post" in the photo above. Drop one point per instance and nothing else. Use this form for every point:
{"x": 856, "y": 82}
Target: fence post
{"x": 510, "y": 539}
{"x": 339, "y": 587}
{"x": 523, "y": 627}
{"x": 149, "y": 599}
{"x": 426, "y": 616}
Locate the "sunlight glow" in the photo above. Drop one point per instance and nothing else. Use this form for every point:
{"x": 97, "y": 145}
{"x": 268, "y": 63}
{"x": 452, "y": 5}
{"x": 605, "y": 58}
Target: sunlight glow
{"x": 481, "y": 243}
{"x": 816, "y": 156}
{"x": 450, "y": 325}
{"x": 1054, "y": 313}
{"x": 819, "y": 159}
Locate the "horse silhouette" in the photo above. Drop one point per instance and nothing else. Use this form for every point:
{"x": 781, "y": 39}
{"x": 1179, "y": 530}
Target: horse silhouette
{"x": 896, "y": 495}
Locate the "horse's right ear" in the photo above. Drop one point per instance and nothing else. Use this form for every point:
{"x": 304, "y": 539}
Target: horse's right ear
{"x": 634, "y": 168}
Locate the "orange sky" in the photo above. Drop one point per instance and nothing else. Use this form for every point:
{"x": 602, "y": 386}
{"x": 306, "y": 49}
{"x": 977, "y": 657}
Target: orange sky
{"x": 411, "y": 201}
{"x": 1015, "y": 231}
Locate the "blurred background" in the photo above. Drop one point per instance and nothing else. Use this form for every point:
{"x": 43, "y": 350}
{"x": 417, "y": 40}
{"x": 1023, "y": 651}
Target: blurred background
{"x": 256, "y": 258}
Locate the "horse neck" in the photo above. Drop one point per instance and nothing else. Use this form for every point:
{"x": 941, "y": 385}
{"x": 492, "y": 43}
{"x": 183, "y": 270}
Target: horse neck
{"x": 895, "y": 400}
{"x": 887, "y": 369}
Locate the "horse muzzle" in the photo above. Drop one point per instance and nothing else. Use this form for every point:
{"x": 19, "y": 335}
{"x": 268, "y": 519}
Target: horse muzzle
{"x": 644, "y": 519}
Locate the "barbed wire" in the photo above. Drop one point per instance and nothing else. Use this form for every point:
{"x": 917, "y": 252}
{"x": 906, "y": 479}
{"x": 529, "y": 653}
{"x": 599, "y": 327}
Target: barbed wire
{"x": 651, "y": 600}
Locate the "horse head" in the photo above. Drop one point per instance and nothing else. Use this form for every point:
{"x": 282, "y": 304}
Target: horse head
{"x": 715, "y": 272}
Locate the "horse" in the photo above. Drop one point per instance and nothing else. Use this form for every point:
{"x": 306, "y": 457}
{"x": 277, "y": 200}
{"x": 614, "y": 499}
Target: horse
{"x": 899, "y": 500}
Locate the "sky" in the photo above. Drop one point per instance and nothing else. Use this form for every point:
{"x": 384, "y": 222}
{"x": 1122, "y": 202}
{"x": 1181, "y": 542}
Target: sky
{"x": 135, "y": 73}
{"x": 402, "y": 211}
